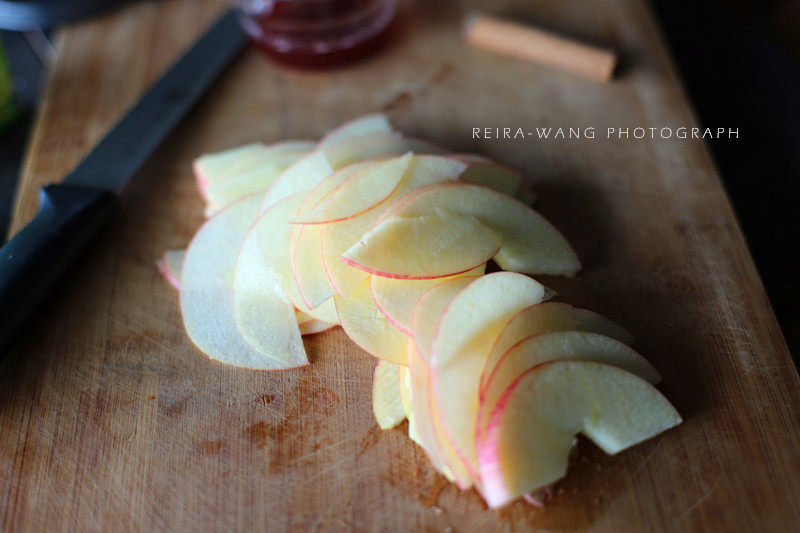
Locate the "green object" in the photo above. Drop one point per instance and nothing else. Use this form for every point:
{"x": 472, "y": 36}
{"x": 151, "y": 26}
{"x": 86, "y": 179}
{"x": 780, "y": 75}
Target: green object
{"x": 9, "y": 110}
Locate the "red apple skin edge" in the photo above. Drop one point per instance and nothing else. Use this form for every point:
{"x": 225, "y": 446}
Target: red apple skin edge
{"x": 202, "y": 182}
{"x": 327, "y": 268}
{"x": 293, "y": 269}
{"x": 179, "y": 297}
{"x": 386, "y": 315}
{"x": 252, "y": 226}
{"x": 374, "y": 272}
{"x": 431, "y": 406}
{"x": 169, "y": 276}
{"x": 472, "y": 473}
{"x": 493, "y": 488}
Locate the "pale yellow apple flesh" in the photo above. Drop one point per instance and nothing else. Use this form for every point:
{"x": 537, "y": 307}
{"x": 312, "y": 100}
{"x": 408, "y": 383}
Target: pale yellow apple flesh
{"x": 360, "y": 193}
{"x": 338, "y": 237}
{"x": 313, "y": 326}
{"x": 264, "y": 315}
{"x": 548, "y": 317}
{"x": 305, "y": 243}
{"x": 434, "y": 246}
{"x": 531, "y": 245}
{"x": 404, "y": 383}
{"x": 206, "y": 293}
{"x": 397, "y": 298}
{"x": 274, "y": 160}
{"x": 387, "y": 405}
{"x": 425, "y": 433}
{"x": 315, "y": 167}
{"x": 270, "y": 235}
{"x": 559, "y": 345}
{"x": 364, "y": 125}
{"x": 218, "y": 166}
{"x": 170, "y": 265}
{"x": 532, "y": 430}
{"x": 367, "y": 327}
{"x": 427, "y": 314}
{"x": 464, "y": 336}
{"x": 483, "y": 171}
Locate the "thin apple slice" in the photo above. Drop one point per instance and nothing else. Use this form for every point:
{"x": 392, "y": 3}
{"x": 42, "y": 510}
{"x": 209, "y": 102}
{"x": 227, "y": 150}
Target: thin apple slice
{"x": 305, "y": 243}
{"x": 531, "y": 245}
{"x": 359, "y": 316}
{"x": 315, "y": 167}
{"x": 206, "y": 293}
{"x": 264, "y": 315}
{"x": 549, "y": 317}
{"x": 315, "y": 326}
{"x": 434, "y": 246}
{"x": 270, "y": 236}
{"x": 424, "y": 430}
{"x": 387, "y": 405}
{"x": 338, "y": 237}
{"x": 215, "y": 167}
{"x": 367, "y": 327}
{"x": 559, "y": 345}
{"x": 397, "y": 298}
{"x": 404, "y": 383}
{"x": 360, "y": 193}
{"x": 170, "y": 266}
{"x": 532, "y": 429}
{"x": 465, "y": 334}
{"x": 483, "y": 171}
{"x": 273, "y": 160}
{"x": 427, "y": 314}
{"x": 364, "y": 125}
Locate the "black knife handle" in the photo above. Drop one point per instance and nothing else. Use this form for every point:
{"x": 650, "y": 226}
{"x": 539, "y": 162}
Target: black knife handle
{"x": 34, "y": 259}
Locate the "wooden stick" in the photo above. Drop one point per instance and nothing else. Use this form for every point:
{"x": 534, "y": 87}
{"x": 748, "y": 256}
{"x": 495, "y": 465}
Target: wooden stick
{"x": 539, "y": 46}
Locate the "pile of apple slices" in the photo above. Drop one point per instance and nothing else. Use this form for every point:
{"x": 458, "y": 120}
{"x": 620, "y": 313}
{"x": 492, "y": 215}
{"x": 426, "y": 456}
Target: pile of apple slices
{"x": 389, "y": 237}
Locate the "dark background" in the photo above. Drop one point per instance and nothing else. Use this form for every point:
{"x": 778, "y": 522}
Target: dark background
{"x": 740, "y": 63}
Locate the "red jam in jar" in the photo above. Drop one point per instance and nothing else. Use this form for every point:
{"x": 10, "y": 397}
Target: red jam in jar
{"x": 317, "y": 33}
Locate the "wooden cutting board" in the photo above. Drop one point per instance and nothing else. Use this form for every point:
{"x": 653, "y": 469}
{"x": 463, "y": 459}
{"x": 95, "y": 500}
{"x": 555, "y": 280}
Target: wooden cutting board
{"x": 110, "y": 418}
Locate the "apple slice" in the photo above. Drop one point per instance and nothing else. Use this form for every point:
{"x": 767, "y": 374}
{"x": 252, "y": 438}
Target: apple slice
{"x": 464, "y": 336}
{"x": 427, "y": 314}
{"x": 360, "y": 193}
{"x": 360, "y": 318}
{"x": 435, "y": 246}
{"x": 367, "y": 327}
{"x": 548, "y": 317}
{"x": 367, "y": 124}
{"x": 424, "y": 430}
{"x": 316, "y": 166}
{"x": 397, "y": 298}
{"x": 404, "y": 383}
{"x": 314, "y": 326}
{"x": 218, "y": 166}
{"x": 206, "y": 293}
{"x": 387, "y": 405}
{"x": 338, "y": 237}
{"x": 273, "y": 160}
{"x": 170, "y": 266}
{"x": 560, "y": 345}
{"x": 532, "y": 429}
{"x": 531, "y": 245}
{"x": 305, "y": 243}
{"x": 483, "y": 171}
{"x": 270, "y": 238}
{"x": 265, "y": 317}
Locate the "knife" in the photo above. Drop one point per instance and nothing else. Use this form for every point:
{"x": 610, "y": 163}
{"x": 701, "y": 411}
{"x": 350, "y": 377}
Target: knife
{"x": 73, "y": 212}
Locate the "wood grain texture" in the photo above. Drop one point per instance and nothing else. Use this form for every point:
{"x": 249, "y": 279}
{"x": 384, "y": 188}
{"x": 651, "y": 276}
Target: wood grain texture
{"x": 110, "y": 418}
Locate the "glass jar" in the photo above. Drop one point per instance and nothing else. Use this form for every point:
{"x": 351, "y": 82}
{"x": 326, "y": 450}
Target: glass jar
{"x": 317, "y": 33}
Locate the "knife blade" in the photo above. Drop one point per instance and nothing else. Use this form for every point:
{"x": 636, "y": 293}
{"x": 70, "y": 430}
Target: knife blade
{"x": 71, "y": 213}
